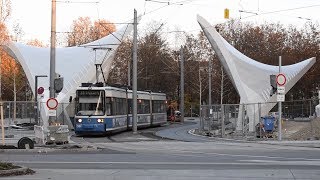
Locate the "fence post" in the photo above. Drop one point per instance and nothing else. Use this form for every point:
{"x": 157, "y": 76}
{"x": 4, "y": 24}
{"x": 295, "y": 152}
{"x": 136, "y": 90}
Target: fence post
{"x": 222, "y": 121}
{"x": 63, "y": 114}
{"x": 310, "y": 108}
{"x": 201, "y": 120}
{"x": 259, "y": 106}
{"x": 210, "y": 117}
{"x": 242, "y": 119}
{"x": 10, "y": 113}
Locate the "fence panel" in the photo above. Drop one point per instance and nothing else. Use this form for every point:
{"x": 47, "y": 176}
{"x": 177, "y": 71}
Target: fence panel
{"x": 246, "y": 120}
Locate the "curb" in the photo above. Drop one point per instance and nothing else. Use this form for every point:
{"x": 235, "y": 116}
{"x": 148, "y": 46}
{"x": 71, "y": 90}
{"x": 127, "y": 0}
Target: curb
{"x": 307, "y": 144}
{"x": 191, "y": 131}
{"x": 16, "y": 172}
{"x": 48, "y": 149}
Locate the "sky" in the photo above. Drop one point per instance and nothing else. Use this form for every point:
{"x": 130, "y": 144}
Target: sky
{"x": 34, "y": 16}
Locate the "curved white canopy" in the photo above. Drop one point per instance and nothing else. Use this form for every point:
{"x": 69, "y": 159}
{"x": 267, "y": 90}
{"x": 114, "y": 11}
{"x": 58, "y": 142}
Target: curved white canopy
{"x": 75, "y": 64}
{"x": 250, "y": 77}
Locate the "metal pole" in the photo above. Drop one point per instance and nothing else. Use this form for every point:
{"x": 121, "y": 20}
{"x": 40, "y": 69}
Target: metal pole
{"x": 181, "y": 85}
{"x": 134, "y": 69}
{"x": 310, "y": 108}
{"x": 210, "y": 104}
{"x": 52, "y": 54}
{"x": 210, "y": 65}
{"x": 222, "y": 107}
{"x": 318, "y": 96}
{"x": 36, "y": 113}
{"x": 200, "y": 94}
{"x": 129, "y": 72}
{"x": 222, "y": 121}
{"x": 1, "y": 8}
{"x": 221, "y": 93}
{"x": 280, "y": 109}
{"x": 36, "y": 100}
{"x": 2, "y": 124}
{"x": 14, "y": 96}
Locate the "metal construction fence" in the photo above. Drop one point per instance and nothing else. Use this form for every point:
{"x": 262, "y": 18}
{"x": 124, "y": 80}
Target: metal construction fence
{"x": 230, "y": 120}
{"x": 19, "y": 112}
{"x": 25, "y": 112}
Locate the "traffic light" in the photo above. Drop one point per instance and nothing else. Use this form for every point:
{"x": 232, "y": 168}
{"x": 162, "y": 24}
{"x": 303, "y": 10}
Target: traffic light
{"x": 273, "y": 83}
{"x": 58, "y": 83}
{"x": 226, "y": 13}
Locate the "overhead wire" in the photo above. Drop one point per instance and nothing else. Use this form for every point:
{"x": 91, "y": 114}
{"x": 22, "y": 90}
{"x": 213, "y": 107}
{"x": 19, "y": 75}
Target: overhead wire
{"x": 257, "y": 14}
{"x": 282, "y": 10}
{"x": 78, "y": 2}
{"x": 169, "y": 3}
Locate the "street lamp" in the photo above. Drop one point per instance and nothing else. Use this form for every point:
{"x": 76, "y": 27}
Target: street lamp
{"x": 36, "y": 98}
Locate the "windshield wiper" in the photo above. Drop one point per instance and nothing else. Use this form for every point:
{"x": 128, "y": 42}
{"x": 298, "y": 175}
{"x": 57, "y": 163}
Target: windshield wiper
{"x": 90, "y": 115}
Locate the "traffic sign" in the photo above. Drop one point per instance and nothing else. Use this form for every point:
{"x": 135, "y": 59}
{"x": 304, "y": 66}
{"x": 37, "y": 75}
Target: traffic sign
{"x": 281, "y": 90}
{"x": 52, "y": 112}
{"x": 40, "y": 90}
{"x": 281, "y": 79}
{"x": 52, "y": 103}
{"x": 280, "y": 97}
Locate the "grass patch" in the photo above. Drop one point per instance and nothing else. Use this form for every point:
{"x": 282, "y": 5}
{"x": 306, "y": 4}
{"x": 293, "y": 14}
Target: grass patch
{"x": 7, "y": 166}
{"x": 9, "y": 169}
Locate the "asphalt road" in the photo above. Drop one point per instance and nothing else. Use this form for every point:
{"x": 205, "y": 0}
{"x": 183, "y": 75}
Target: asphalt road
{"x": 147, "y": 157}
{"x": 184, "y": 160}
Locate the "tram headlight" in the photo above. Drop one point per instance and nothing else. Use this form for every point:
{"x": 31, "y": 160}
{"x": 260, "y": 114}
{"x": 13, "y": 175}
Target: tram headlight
{"x": 79, "y": 120}
{"x": 100, "y": 120}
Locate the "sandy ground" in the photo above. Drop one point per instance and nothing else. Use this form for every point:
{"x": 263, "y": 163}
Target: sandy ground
{"x": 301, "y": 130}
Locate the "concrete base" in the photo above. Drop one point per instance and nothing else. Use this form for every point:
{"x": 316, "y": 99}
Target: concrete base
{"x": 51, "y": 134}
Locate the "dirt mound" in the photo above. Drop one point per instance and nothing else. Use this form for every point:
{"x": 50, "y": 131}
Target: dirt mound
{"x": 305, "y": 131}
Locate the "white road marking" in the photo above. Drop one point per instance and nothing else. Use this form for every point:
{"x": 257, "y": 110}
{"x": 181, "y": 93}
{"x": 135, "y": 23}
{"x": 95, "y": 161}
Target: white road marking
{"x": 180, "y": 152}
{"x": 239, "y": 162}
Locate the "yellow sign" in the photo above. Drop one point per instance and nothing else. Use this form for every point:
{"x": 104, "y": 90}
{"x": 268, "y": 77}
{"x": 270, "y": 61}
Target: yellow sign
{"x": 226, "y": 13}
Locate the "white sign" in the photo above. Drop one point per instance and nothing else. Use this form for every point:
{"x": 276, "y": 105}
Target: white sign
{"x": 280, "y": 97}
{"x": 52, "y": 112}
{"x": 281, "y": 90}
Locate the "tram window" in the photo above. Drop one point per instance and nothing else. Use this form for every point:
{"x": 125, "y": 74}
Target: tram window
{"x": 158, "y": 106}
{"x": 90, "y": 102}
{"x": 108, "y": 106}
{"x": 129, "y": 106}
{"x": 120, "y": 106}
{"x": 143, "y": 106}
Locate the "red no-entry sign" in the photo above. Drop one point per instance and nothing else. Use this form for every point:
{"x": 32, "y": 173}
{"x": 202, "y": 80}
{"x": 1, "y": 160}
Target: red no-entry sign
{"x": 281, "y": 79}
{"x": 40, "y": 90}
{"x": 52, "y": 103}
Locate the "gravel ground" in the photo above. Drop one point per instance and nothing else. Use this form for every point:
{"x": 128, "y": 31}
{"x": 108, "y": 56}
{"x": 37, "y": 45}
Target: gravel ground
{"x": 302, "y": 130}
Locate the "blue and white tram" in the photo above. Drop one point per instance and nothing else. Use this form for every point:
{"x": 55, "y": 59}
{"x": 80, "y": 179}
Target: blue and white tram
{"x": 107, "y": 109}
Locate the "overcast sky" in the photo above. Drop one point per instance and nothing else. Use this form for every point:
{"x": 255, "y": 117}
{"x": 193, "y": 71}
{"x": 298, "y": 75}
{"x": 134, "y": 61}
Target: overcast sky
{"x": 34, "y": 16}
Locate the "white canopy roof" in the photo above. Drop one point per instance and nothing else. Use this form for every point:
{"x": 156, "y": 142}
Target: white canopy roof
{"x": 75, "y": 64}
{"x": 250, "y": 77}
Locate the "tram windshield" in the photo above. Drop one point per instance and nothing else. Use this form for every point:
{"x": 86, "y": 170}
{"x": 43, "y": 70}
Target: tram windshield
{"x": 90, "y": 102}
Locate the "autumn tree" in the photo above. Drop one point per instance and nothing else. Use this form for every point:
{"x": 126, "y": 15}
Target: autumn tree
{"x": 36, "y": 42}
{"x": 119, "y": 69}
{"x": 13, "y": 78}
{"x": 102, "y": 28}
{"x": 157, "y": 69}
{"x": 84, "y": 31}
{"x": 155, "y": 61}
